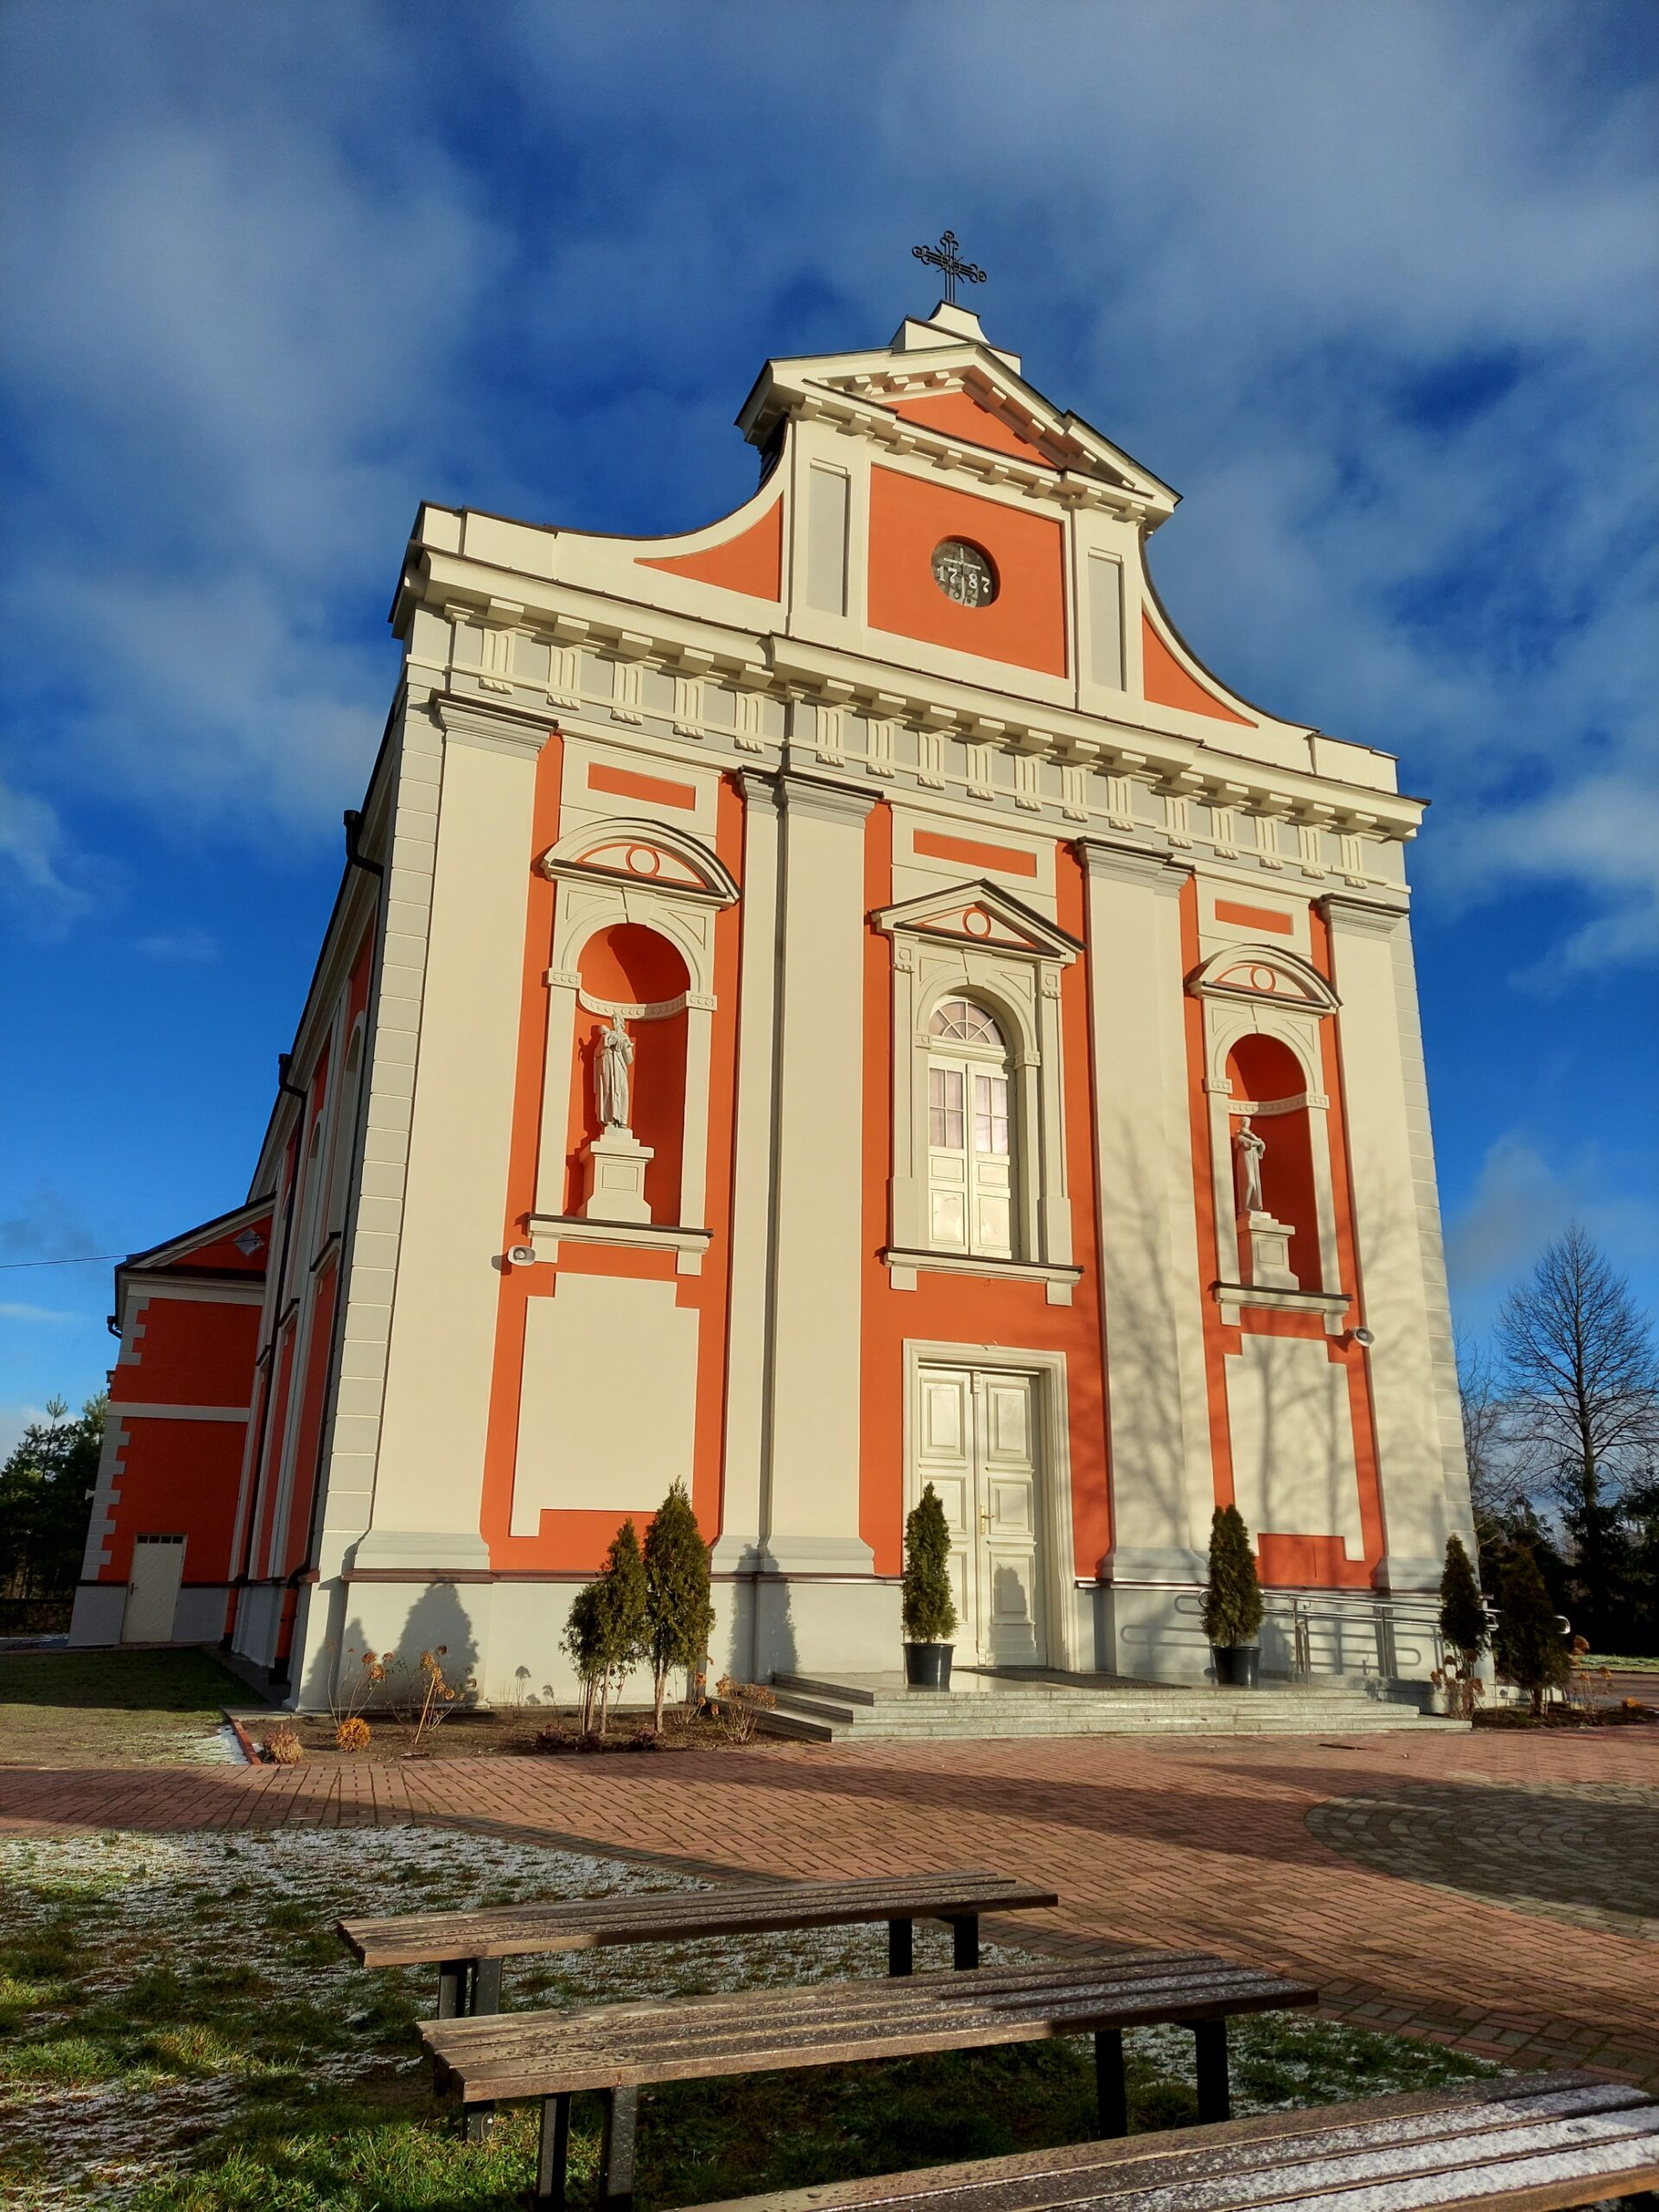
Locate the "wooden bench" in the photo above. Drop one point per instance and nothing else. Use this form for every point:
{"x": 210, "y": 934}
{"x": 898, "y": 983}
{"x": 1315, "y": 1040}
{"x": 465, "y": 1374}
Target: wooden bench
{"x": 617, "y": 2049}
{"x": 1526, "y": 2145}
{"x": 468, "y": 1948}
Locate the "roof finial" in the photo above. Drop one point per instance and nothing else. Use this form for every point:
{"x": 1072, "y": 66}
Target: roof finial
{"x": 944, "y": 257}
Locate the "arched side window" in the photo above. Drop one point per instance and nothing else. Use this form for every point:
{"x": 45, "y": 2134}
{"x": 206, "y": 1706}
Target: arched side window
{"x": 971, "y": 1132}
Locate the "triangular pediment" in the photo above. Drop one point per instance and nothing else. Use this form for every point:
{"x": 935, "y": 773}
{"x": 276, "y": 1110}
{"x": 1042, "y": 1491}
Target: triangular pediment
{"x": 944, "y": 389}
{"x": 982, "y": 913}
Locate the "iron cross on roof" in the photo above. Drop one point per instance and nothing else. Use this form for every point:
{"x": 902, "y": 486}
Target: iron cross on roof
{"x": 944, "y": 257}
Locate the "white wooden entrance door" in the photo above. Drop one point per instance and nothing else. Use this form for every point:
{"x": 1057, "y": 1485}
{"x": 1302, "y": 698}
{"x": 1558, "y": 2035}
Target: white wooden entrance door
{"x": 153, "y": 1593}
{"x": 976, "y": 1443}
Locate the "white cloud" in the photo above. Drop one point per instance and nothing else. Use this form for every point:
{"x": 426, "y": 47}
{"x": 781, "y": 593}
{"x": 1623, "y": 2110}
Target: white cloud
{"x": 9, "y": 1310}
{"x": 283, "y": 279}
{"x": 32, "y": 863}
{"x": 14, "y": 1419}
{"x": 1521, "y": 1203}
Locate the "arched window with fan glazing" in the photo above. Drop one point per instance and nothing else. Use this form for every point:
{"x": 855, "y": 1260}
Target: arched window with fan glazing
{"x": 971, "y": 1132}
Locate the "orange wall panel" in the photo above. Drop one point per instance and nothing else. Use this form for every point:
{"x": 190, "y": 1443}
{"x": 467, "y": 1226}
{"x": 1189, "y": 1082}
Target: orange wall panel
{"x": 751, "y": 563}
{"x": 967, "y": 1310}
{"x": 574, "y": 1541}
{"x": 178, "y": 1478}
{"x": 958, "y": 415}
{"x": 1023, "y": 625}
{"x": 192, "y": 1352}
{"x": 1167, "y": 683}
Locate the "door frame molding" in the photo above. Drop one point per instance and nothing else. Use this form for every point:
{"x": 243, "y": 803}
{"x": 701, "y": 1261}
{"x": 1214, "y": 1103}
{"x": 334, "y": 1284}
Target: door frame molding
{"x": 1055, "y": 1541}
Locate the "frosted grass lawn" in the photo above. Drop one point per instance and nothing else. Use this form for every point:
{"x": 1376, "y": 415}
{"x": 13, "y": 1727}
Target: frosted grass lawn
{"x": 181, "y": 2030}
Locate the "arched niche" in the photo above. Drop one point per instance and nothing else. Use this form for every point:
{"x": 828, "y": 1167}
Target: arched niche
{"x": 629, "y": 968}
{"x": 612, "y": 878}
{"x": 1267, "y": 1076}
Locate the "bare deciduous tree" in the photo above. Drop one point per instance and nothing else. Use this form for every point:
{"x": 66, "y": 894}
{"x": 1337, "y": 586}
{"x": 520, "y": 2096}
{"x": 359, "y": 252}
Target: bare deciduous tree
{"x": 1580, "y": 1391}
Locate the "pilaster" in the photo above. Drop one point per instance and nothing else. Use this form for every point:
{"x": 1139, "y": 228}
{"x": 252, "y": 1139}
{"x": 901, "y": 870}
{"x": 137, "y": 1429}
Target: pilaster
{"x": 811, "y": 1517}
{"x": 441, "y": 1339}
{"x": 1388, "y": 1157}
{"x": 1163, "y": 1490}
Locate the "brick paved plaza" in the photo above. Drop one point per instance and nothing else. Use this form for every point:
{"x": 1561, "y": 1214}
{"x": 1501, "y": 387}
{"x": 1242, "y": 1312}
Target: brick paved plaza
{"x": 1501, "y": 1891}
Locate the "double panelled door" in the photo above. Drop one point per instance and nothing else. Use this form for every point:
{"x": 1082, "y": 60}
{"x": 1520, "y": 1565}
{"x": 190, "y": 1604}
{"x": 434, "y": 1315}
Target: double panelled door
{"x": 977, "y": 1443}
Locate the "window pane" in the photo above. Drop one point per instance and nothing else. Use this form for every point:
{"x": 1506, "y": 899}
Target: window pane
{"x": 944, "y": 1106}
{"x": 963, "y": 1022}
{"x": 991, "y": 1114}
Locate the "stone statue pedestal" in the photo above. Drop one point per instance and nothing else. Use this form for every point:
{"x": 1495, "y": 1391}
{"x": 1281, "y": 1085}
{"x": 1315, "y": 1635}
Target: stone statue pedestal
{"x": 613, "y": 1177}
{"x": 1269, "y": 1245}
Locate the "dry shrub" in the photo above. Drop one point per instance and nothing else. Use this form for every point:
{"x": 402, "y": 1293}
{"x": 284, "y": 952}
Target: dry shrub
{"x": 352, "y": 1735}
{"x": 283, "y": 1747}
{"x": 738, "y": 1706}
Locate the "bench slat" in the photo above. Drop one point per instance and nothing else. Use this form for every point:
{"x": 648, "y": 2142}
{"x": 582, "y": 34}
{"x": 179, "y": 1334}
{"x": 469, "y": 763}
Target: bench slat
{"x": 822, "y": 2004}
{"x": 585, "y": 1924}
{"x": 1525, "y": 2146}
{"x": 1070, "y": 2176}
{"x": 544, "y": 2054}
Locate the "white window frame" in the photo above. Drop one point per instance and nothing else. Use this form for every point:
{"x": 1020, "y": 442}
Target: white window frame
{"x": 1016, "y": 979}
{"x": 972, "y": 1061}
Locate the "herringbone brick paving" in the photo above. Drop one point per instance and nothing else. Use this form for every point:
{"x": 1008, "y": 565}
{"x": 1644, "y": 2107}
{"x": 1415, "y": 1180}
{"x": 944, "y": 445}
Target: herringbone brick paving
{"x": 1199, "y": 1842}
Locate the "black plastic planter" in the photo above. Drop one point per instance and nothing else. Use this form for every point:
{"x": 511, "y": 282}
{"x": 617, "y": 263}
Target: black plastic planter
{"x": 927, "y": 1666}
{"x": 1236, "y": 1664}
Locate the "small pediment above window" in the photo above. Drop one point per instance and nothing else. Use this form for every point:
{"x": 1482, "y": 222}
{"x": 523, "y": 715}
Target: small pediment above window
{"x": 979, "y": 913}
{"x": 1271, "y": 976}
{"x": 645, "y": 853}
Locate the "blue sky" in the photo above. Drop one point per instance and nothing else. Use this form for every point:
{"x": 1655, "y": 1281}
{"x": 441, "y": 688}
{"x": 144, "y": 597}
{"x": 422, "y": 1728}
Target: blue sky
{"x": 1373, "y": 286}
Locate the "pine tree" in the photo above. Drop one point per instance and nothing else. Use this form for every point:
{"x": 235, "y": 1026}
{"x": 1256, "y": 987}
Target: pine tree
{"x": 1463, "y": 1614}
{"x": 1529, "y": 1645}
{"x": 678, "y": 1614}
{"x": 930, "y": 1610}
{"x": 1232, "y": 1597}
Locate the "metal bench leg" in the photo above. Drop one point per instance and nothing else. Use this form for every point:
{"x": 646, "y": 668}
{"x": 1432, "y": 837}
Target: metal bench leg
{"x": 964, "y": 1947}
{"x": 553, "y": 2152}
{"x": 616, "y": 2150}
{"x": 483, "y": 1995}
{"x": 452, "y": 1988}
{"x": 901, "y": 1952}
{"x": 1111, "y": 2089}
{"x": 1215, "y": 2097}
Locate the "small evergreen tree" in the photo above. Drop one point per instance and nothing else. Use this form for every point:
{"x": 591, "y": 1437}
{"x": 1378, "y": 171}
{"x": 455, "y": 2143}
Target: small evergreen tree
{"x": 1232, "y": 1596}
{"x": 678, "y": 1614}
{"x": 1529, "y": 1645}
{"x": 1463, "y": 1614}
{"x": 930, "y": 1610}
{"x": 606, "y": 1635}
{"x": 583, "y": 1639}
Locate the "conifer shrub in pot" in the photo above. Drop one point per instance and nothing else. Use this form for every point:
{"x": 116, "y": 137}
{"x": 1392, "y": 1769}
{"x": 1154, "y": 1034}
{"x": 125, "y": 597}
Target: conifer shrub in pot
{"x": 1232, "y": 1601}
{"x": 930, "y": 1610}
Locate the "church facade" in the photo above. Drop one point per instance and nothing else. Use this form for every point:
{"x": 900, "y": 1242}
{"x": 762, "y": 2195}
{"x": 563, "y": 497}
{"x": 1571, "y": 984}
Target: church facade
{"x": 829, "y": 1001}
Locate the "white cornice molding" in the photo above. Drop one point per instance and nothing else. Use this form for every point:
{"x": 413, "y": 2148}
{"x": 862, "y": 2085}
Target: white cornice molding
{"x": 1364, "y": 917}
{"x": 791, "y": 667}
{"x": 497, "y": 728}
{"x": 818, "y": 796}
{"x": 1124, "y": 863}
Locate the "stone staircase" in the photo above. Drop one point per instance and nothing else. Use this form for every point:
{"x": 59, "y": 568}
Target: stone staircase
{"x": 880, "y": 1708}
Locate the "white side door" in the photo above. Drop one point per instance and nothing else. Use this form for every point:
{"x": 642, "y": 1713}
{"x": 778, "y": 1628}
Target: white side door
{"x": 1013, "y": 1625}
{"x": 945, "y": 1451}
{"x": 153, "y": 1593}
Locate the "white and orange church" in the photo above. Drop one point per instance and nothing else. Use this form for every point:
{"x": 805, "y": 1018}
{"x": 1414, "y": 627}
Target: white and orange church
{"x": 836, "y": 999}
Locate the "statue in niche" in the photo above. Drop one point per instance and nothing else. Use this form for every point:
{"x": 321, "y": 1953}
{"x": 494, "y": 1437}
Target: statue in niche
{"x": 611, "y": 1065}
{"x": 1248, "y": 1149}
